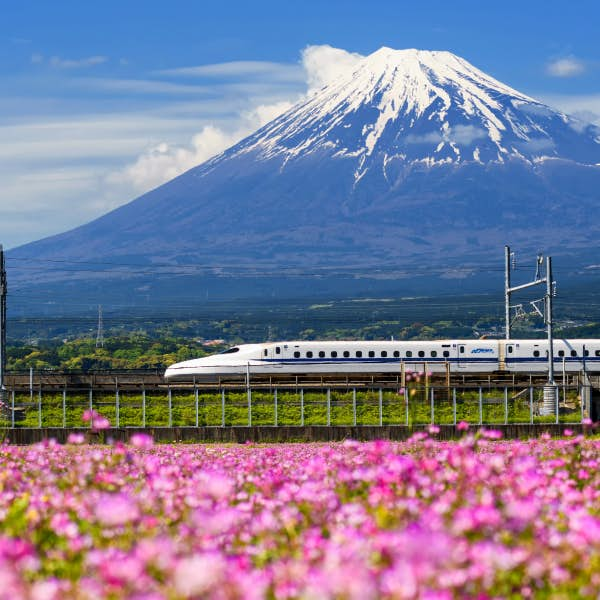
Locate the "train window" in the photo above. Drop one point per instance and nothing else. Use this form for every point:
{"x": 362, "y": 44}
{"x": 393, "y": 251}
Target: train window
{"x": 597, "y": 352}
{"x": 561, "y": 352}
{"x": 586, "y": 352}
{"x": 346, "y": 354}
{"x": 296, "y": 354}
{"x": 309, "y": 354}
{"x": 321, "y": 354}
{"x": 421, "y": 353}
{"x": 509, "y": 349}
{"x": 371, "y": 353}
{"x": 230, "y": 351}
{"x": 446, "y": 353}
{"x": 408, "y": 353}
{"x": 266, "y": 352}
{"x": 396, "y": 354}
{"x": 383, "y": 354}
{"x": 461, "y": 349}
{"x": 536, "y": 352}
{"x": 358, "y": 354}
{"x": 333, "y": 354}
{"x": 434, "y": 353}
{"x": 277, "y": 350}
{"x": 573, "y": 352}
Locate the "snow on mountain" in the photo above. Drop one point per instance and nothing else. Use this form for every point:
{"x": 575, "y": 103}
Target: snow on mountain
{"x": 429, "y": 106}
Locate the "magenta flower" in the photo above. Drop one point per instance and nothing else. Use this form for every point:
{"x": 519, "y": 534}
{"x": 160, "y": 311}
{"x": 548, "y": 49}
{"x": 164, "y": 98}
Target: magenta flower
{"x": 141, "y": 440}
{"x": 116, "y": 509}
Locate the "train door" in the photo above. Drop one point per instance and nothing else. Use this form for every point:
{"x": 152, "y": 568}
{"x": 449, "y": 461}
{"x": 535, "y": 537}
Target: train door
{"x": 461, "y": 356}
{"x": 277, "y": 355}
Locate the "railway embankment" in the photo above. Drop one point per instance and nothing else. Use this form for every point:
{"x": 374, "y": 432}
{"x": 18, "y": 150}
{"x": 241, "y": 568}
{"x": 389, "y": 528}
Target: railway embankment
{"x": 286, "y": 434}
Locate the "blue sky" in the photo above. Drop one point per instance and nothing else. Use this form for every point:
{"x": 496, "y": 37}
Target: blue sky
{"x": 103, "y": 101}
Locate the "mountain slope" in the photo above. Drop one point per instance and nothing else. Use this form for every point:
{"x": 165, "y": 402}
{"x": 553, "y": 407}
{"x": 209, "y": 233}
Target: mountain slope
{"x": 415, "y": 158}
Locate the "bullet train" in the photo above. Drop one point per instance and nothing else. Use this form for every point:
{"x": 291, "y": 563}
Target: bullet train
{"x": 353, "y": 357}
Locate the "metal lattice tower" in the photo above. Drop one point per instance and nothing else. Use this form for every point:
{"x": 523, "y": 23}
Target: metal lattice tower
{"x": 100, "y": 333}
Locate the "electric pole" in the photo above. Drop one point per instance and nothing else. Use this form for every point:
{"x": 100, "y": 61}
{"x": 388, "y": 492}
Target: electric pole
{"x": 507, "y": 257}
{"x": 3, "y": 290}
{"x": 550, "y": 404}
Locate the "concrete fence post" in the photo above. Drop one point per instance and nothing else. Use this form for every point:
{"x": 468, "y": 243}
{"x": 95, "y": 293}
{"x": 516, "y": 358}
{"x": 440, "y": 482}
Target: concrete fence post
{"x": 432, "y": 401}
{"x": 170, "y": 398}
{"x": 144, "y": 407}
{"x": 117, "y": 408}
{"x": 531, "y": 405}
{"x": 454, "y": 406}
{"x": 249, "y": 406}
{"x": 223, "y": 408}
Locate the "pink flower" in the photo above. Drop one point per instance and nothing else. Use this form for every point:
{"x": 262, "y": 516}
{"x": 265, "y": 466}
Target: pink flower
{"x": 462, "y": 426}
{"x": 197, "y": 575}
{"x": 76, "y": 438}
{"x": 116, "y": 509}
{"x": 141, "y": 440}
{"x": 492, "y": 434}
{"x": 97, "y": 421}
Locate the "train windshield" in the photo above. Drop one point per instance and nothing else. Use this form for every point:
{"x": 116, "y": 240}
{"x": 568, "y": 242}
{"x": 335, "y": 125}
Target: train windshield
{"x": 230, "y": 350}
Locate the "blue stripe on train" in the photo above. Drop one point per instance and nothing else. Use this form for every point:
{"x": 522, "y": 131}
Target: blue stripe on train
{"x": 421, "y": 360}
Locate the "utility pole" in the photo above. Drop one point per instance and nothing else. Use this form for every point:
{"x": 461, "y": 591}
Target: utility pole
{"x": 3, "y": 290}
{"x": 100, "y": 333}
{"x": 548, "y": 318}
{"x": 550, "y": 391}
{"x": 507, "y": 257}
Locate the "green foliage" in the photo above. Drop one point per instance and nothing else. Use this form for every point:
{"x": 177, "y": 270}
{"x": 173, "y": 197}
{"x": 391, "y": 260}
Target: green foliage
{"x": 135, "y": 351}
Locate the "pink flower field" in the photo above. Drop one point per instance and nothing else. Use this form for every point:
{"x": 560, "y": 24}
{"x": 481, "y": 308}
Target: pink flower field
{"x": 478, "y": 518}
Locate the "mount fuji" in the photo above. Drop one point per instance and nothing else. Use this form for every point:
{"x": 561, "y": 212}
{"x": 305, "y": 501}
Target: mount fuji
{"x": 415, "y": 160}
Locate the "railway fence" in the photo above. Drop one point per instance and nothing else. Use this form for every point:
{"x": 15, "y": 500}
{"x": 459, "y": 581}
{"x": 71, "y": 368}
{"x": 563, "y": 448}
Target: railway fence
{"x": 135, "y": 404}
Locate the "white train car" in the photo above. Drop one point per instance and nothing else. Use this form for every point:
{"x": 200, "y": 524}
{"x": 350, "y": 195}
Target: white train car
{"x": 353, "y": 357}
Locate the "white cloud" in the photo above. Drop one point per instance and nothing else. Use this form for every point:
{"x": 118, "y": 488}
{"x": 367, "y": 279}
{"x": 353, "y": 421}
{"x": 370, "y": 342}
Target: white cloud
{"x": 538, "y": 145}
{"x": 266, "y": 70}
{"x": 565, "y": 67}
{"x": 324, "y": 64}
{"x": 164, "y": 161}
{"x": 586, "y": 107}
{"x": 137, "y": 86}
{"x": 461, "y": 134}
{"x": 69, "y": 63}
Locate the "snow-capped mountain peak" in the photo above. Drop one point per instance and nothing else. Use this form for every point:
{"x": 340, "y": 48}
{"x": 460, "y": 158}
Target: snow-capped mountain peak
{"x": 428, "y": 106}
